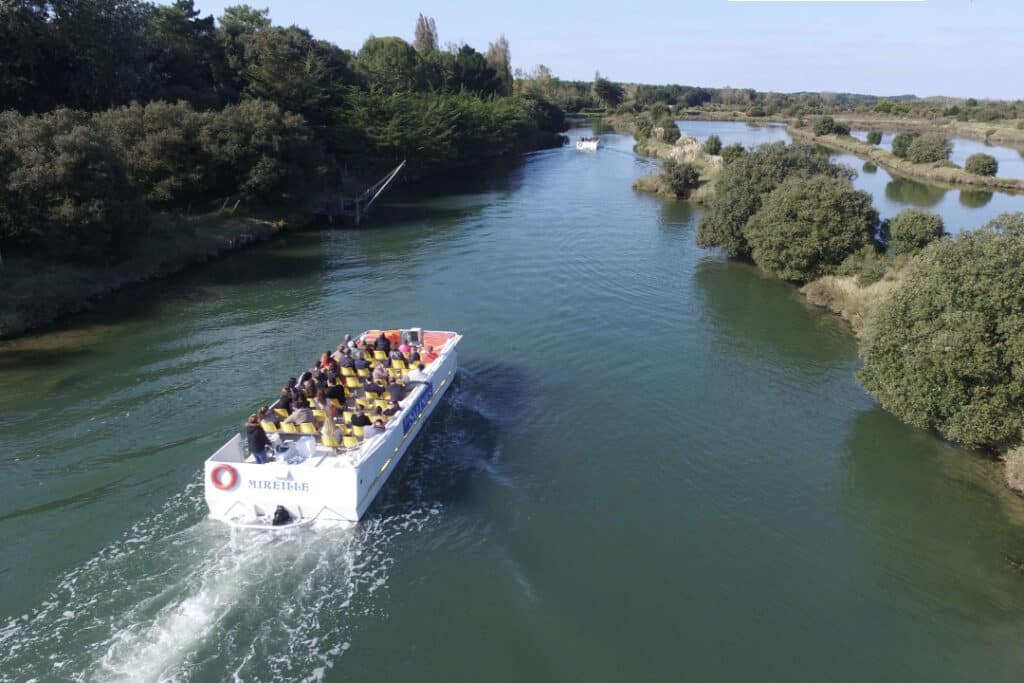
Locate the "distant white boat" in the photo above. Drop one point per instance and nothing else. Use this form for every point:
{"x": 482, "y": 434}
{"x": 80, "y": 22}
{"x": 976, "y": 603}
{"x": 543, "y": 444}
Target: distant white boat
{"x": 588, "y": 144}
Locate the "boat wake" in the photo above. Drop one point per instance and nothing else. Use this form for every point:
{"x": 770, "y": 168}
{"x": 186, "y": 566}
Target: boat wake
{"x": 200, "y": 601}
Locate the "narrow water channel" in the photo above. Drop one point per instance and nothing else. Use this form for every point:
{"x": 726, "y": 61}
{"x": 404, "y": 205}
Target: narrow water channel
{"x": 655, "y": 464}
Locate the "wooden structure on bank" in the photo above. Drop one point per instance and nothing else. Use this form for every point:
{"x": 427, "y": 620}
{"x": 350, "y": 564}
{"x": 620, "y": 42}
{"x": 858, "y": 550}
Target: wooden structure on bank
{"x": 340, "y": 207}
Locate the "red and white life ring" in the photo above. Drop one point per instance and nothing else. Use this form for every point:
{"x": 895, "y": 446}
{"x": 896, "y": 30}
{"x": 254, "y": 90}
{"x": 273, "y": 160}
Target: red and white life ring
{"x": 221, "y": 482}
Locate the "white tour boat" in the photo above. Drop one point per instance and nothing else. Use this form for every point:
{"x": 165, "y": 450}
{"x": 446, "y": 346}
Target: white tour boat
{"x": 589, "y": 144}
{"x": 336, "y": 480}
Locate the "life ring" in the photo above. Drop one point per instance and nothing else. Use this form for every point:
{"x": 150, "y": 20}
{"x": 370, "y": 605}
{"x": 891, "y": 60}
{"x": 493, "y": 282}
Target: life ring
{"x": 219, "y": 482}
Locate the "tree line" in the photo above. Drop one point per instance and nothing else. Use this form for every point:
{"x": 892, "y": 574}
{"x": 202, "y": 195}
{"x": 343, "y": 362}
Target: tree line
{"x": 116, "y": 107}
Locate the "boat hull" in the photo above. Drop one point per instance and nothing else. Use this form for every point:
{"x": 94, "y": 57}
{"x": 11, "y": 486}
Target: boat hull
{"x": 327, "y": 486}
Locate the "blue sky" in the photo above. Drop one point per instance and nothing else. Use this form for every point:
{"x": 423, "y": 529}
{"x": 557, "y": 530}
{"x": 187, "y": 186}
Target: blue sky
{"x": 936, "y": 47}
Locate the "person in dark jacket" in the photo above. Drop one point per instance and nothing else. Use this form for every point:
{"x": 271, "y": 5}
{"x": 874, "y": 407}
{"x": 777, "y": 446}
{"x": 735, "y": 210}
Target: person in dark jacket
{"x": 392, "y": 409}
{"x": 258, "y": 441}
{"x": 336, "y": 391}
{"x": 285, "y": 399}
{"x": 382, "y": 344}
{"x": 359, "y": 418}
{"x": 360, "y": 363}
{"x": 396, "y": 391}
{"x": 346, "y": 360}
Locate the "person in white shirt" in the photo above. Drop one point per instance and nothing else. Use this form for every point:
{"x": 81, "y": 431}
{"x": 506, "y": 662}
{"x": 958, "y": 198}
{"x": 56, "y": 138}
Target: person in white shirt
{"x": 417, "y": 374}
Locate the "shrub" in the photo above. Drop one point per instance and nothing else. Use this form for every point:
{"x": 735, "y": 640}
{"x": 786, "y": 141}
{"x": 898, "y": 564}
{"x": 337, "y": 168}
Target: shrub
{"x": 63, "y": 188}
{"x": 732, "y": 152}
{"x": 946, "y": 349}
{"x": 928, "y": 149}
{"x": 901, "y": 143}
{"x": 642, "y": 128}
{"x": 826, "y": 125}
{"x": 713, "y": 145}
{"x": 911, "y": 230}
{"x": 670, "y": 131}
{"x": 808, "y": 226}
{"x": 874, "y": 137}
{"x": 680, "y": 178}
{"x": 745, "y": 180}
{"x": 868, "y": 265}
{"x": 982, "y": 164}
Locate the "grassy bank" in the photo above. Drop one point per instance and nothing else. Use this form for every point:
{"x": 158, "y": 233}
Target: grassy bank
{"x": 685, "y": 150}
{"x": 1005, "y": 132}
{"x": 939, "y": 172}
{"x": 35, "y": 292}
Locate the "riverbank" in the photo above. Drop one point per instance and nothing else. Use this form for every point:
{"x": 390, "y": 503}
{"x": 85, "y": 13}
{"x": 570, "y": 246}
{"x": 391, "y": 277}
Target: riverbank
{"x": 941, "y": 173}
{"x": 1004, "y": 132}
{"x": 685, "y": 150}
{"x": 36, "y": 293}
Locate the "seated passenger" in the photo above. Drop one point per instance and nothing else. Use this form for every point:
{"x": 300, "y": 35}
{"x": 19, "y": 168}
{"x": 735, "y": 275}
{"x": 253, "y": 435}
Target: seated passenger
{"x": 428, "y": 356}
{"x": 379, "y": 372}
{"x": 300, "y": 414}
{"x": 396, "y": 391}
{"x": 404, "y": 348}
{"x": 374, "y": 429}
{"x": 320, "y": 401}
{"x": 359, "y": 418}
{"x": 325, "y": 360}
{"x": 382, "y": 343}
{"x": 414, "y": 355}
{"x": 417, "y": 374}
{"x": 339, "y": 352}
{"x": 346, "y": 360}
{"x": 371, "y": 385}
{"x": 258, "y": 441}
{"x": 335, "y": 390}
{"x": 398, "y": 354}
{"x": 285, "y": 400}
{"x": 392, "y": 409}
{"x": 265, "y": 414}
{"x": 360, "y": 363}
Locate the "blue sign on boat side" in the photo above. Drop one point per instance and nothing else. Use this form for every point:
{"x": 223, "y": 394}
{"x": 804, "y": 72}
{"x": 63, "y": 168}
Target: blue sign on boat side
{"x": 410, "y": 419}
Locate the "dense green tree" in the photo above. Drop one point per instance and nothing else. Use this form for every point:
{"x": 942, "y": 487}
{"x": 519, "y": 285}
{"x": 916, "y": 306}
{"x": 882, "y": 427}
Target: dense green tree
{"x": 389, "y": 63}
{"x": 911, "y": 230}
{"x": 472, "y": 72}
{"x": 186, "y": 58}
{"x": 743, "y": 183}
{"x": 658, "y": 112}
{"x": 643, "y": 128}
{"x": 680, "y": 177}
{"x": 669, "y": 131}
{"x": 29, "y": 71}
{"x": 608, "y": 92}
{"x": 929, "y": 148}
{"x": 901, "y": 144}
{"x": 301, "y": 74}
{"x": 874, "y": 137}
{"x": 259, "y": 151}
{"x": 244, "y": 19}
{"x": 807, "y": 227}
{"x": 161, "y": 148}
{"x": 713, "y": 145}
{"x": 982, "y": 164}
{"x": 732, "y": 152}
{"x": 64, "y": 188}
{"x": 945, "y": 350}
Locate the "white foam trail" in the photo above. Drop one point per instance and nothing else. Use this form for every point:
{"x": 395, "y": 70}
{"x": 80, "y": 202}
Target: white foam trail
{"x": 177, "y": 599}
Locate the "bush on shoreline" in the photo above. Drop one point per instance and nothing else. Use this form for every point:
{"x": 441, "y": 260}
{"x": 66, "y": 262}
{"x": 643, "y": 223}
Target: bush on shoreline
{"x": 946, "y": 350}
{"x": 807, "y": 227}
{"x": 928, "y": 149}
{"x": 982, "y": 164}
{"x": 911, "y": 230}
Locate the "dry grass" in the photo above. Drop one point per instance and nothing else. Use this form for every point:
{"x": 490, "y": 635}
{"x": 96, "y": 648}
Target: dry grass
{"x": 1014, "y": 462}
{"x": 844, "y": 297}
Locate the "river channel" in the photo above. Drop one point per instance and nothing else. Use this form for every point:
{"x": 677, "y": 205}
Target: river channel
{"x": 655, "y": 464}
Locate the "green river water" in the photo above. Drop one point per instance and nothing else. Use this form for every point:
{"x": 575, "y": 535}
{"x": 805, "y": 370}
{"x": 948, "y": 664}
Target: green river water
{"x": 654, "y": 465}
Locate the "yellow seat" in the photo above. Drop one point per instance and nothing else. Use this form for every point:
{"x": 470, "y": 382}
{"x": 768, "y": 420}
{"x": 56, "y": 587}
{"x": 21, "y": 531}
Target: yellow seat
{"x": 348, "y": 372}
{"x": 352, "y": 382}
{"x": 320, "y": 414}
{"x": 329, "y": 441}
{"x": 289, "y": 428}
{"x": 349, "y": 441}
{"x": 381, "y": 403}
{"x": 364, "y": 402}
{"x": 268, "y": 426}
{"x": 362, "y": 372}
{"x": 357, "y": 430}
{"x": 346, "y": 415}
{"x": 372, "y": 394}
{"x": 280, "y": 412}
{"x": 308, "y": 428}
{"x": 368, "y": 354}
{"x": 380, "y": 355}
{"x": 400, "y": 364}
